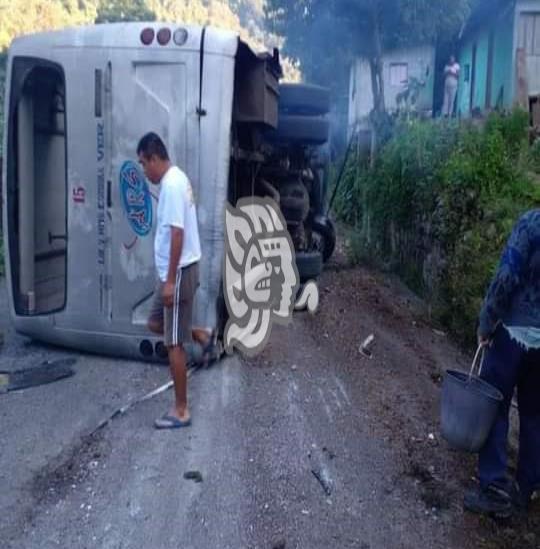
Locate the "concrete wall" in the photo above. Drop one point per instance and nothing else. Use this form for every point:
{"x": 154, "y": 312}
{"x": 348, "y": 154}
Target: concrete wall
{"x": 360, "y": 92}
{"x": 527, "y": 37}
{"x": 420, "y": 64}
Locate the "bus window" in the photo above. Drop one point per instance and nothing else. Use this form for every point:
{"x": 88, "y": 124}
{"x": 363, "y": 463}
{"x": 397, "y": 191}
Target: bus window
{"x": 36, "y": 185}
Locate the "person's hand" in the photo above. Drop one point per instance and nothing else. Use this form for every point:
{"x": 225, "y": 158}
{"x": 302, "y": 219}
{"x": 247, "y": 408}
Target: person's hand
{"x": 483, "y": 341}
{"x": 167, "y": 294}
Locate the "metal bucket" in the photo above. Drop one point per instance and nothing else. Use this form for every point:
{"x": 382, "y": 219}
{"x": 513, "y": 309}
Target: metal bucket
{"x": 469, "y": 407}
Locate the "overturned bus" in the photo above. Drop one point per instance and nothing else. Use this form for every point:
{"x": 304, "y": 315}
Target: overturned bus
{"x": 78, "y": 213}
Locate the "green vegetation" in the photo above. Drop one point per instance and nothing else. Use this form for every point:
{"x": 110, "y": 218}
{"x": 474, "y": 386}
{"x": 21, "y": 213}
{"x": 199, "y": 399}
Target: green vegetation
{"x": 438, "y": 206}
{"x": 26, "y": 16}
{"x": 1, "y": 256}
{"x": 19, "y": 17}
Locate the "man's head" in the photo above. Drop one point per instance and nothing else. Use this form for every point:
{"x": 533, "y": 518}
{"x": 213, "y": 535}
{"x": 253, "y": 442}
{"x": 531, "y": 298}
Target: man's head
{"x": 452, "y": 59}
{"x": 153, "y": 157}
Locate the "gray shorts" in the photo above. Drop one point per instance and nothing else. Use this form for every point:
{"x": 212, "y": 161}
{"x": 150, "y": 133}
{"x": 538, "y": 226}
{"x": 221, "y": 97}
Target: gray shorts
{"x": 177, "y": 320}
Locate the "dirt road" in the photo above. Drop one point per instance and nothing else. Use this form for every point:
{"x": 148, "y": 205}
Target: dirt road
{"x": 311, "y": 445}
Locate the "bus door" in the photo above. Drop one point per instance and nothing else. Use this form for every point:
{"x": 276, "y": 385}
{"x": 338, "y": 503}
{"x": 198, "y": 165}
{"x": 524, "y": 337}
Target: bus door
{"x": 148, "y": 94}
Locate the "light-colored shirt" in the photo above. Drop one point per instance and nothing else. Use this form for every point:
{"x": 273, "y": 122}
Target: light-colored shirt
{"x": 176, "y": 208}
{"x": 452, "y": 73}
{"x": 526, "y": 336}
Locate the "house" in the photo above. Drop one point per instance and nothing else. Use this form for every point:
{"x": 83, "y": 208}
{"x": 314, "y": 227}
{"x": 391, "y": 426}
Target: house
{"x": 408, "y": 77}
{"x": 500, "y": 58}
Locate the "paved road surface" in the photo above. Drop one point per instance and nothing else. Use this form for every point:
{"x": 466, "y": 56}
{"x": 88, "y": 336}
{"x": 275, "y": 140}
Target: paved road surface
{"x": 311, "y": 445}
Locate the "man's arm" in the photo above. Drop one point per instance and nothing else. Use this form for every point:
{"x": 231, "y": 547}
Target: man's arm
{"x": 177, "y": 241}
{"x": 510, "y": 275}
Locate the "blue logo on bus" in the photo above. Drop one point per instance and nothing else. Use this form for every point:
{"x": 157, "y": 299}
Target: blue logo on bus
{"x": 136, "y": 198}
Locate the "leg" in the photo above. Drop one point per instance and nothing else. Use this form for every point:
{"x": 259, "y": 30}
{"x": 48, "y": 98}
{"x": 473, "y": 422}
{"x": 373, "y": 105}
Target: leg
{"x": 452, "y": 93}
{"x": 205, "y": 337}
{"x": 178, "y": 416}
{"x": 501, "y": 369}
{"x": 155, "y": 319}
{"x": 201, "y": 336}
{"x": 178, "y": 367}
{"x": 446, "y": 99}
{"x": 528, "y": 473}
{"x": 155, "y": 325}
{"x": 181, "y": 333}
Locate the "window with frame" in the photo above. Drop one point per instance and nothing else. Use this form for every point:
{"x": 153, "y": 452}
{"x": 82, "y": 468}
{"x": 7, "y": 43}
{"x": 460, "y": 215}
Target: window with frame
{"x": 399, "y": 74}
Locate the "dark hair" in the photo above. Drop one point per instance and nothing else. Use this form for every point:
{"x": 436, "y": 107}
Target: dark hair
{"x": 151, "y": 144}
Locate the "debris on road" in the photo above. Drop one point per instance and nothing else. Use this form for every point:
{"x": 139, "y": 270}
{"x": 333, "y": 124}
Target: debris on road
{"x": 328, "y": 452}
{"x": 195, "y": 476}
{"x": 124, "y": 409}
{"x": 364, "y": 348}
{"x": 121, "y": 411}
{"x": 432, "y": 440}
{"x": 322, "y": 481}
{"x": 46, "y": 372}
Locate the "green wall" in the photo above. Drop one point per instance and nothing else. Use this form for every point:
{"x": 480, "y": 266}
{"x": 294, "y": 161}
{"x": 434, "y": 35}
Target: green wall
{"x": 480, "y": 84}
{"x": 464, "y": 90}
{"x": 502, "y": 68}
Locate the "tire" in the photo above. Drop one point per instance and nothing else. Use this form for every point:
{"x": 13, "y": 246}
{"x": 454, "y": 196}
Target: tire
{"x": 294, "y": 202}
{"x": 304, "y": 99}
{"x": 327, "y": 231}
{"x": 309, "y": 265}
{"x": 304, "y": 130}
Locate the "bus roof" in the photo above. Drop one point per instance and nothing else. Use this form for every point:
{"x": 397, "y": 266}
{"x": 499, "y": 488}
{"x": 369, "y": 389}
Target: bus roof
{"x": 129, "y": 35}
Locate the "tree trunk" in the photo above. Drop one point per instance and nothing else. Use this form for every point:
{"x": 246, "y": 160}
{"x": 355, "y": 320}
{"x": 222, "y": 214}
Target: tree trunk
{"x": 377, "y": 57}
{"x": 377, "y": 81}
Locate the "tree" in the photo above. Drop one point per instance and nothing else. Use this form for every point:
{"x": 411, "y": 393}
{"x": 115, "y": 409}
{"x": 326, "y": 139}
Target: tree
{"x": 28, "y": 16}
{"x": 113, "y": 11}
{"x": 325, "y": 35}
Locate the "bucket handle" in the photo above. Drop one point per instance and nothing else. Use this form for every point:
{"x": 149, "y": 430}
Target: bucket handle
{"x": 481, "y": 350}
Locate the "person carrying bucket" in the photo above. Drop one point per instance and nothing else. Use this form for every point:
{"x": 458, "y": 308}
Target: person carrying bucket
{"x": 509, "y": 328}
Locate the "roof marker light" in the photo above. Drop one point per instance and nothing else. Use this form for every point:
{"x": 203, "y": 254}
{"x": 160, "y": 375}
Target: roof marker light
{"x": 147, "y": 36}
{"x": 180, "y": 37}
{"x": 164, "y": 36}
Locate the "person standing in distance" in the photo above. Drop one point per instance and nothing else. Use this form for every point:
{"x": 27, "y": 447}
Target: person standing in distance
{"x": 451, "y": 80}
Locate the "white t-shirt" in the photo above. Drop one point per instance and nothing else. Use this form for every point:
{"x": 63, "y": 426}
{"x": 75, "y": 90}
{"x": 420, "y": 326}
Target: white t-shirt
{"x": 176, "y": 208}
{"x": 452, "y": 73}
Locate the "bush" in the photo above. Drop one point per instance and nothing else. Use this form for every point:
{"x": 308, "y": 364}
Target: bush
{"x": 534, "y": 156}
{"x": 1, "y": 256}
{"x": 438, "y": 207}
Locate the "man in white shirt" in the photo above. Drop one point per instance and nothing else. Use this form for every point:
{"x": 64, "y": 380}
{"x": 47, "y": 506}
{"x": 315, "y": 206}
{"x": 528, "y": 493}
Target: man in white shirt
{"x": 451, "y": 79}
{"x": 177, "y": 252}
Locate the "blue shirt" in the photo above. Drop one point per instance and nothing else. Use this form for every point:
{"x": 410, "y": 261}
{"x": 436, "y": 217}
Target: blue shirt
{"x": 513, "y": 297}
